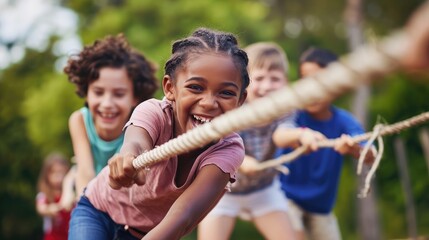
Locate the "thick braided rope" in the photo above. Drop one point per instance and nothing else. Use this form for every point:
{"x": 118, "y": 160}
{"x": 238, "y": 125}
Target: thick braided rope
{"x": 361, "y": 66}
{"x": 383, "y": 130}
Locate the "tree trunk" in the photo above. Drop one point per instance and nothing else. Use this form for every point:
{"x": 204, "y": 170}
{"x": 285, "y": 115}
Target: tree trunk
{"x": 401, "y": 157}
{"x": 424, "y": 140}
{"x": 367, "y": 211}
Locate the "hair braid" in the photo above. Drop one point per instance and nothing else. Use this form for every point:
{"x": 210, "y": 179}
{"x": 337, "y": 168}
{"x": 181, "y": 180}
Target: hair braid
{"x": 206, "y": 40}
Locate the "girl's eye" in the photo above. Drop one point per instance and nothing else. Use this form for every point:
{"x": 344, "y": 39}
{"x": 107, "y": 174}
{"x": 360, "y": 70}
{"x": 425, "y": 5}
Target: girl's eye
{"x": 229, "y": 93}
{"x": 195, "y": 87}
{"x": 98, "y": 93}
{"x": 119, "y": 95}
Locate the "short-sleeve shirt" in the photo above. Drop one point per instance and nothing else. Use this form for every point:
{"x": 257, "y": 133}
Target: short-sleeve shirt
{"x": 143, "y": 207}
{"x": 101, "y": 150}
{"x": 313, "y": 179}
{"x": 258, "y": 144}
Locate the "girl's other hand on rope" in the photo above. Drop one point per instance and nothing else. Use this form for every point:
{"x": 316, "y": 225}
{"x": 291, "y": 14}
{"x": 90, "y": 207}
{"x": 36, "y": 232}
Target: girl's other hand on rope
{"x": 122, "y": 172}
{"x": 309, "y": 138}
{"x": 249, "y": 165}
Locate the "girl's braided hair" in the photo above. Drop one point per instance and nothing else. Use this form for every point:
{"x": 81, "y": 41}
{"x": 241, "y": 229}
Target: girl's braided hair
{"x": 114, "y": 52}
{"x": 206, "y": 40}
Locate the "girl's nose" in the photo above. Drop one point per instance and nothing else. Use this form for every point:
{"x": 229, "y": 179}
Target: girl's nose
{"x": 208, "y": 101}
{"x": 107, "y": 101}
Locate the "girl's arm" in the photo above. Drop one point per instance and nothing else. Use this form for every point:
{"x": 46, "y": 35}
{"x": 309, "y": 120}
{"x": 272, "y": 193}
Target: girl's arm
{"x": 294, "y": 137}
{"x": 68, "y": 196}
{"x": 191, "y": 207}
{"x": 122, "y": 173}
{"x": 82, "y": 151}
{"x": 287, "y": 137}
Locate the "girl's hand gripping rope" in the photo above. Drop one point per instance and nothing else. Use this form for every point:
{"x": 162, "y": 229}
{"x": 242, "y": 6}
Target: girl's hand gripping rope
{"x": 122, "y": 173}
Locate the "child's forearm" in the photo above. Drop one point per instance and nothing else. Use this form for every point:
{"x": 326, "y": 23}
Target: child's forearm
{"x": 174, "y": 227}
{"x": 82, "y": 180}
{"x": 192, "y": 205}
{"x": 287, "y": 137}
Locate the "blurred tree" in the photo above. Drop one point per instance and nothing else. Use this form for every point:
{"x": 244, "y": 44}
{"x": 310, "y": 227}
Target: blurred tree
{"x": 19, "y": 157}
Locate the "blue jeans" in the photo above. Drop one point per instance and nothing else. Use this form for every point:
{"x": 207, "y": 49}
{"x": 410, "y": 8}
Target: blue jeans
{"x": 87, "y": 222}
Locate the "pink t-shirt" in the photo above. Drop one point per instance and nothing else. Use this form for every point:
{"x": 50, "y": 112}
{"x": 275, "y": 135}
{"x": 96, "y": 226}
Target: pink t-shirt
{"x": 143, "y": 207}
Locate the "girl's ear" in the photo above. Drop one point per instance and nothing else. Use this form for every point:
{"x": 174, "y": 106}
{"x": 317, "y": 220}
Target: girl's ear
{"x": 168, "y": 87}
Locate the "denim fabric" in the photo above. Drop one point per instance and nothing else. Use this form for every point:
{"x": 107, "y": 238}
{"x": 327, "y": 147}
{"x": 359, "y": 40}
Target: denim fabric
{"x": 87, "y": 222}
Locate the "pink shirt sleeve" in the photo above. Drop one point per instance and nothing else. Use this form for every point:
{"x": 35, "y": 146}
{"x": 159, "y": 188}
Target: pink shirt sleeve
{"x": 228, "y": 156}
{"x": 148, "y": 115}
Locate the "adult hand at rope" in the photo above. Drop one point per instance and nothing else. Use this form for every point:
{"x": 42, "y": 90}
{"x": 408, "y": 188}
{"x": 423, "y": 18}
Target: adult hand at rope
{"x": 122, "y": 173}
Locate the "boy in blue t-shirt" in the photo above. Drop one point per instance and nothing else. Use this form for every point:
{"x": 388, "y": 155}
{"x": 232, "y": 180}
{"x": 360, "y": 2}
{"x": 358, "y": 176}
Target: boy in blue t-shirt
{"x": 312, "y": 183}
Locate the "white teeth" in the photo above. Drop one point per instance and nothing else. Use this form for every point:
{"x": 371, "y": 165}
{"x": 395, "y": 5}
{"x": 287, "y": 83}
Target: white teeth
{"x": 108, "y": 115}
{"x": 201, "y": 119}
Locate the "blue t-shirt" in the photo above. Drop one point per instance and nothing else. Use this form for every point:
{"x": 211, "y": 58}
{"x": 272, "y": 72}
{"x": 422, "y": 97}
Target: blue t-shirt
{"x": 313, "y": 179}
{"x": 101, "y": 150}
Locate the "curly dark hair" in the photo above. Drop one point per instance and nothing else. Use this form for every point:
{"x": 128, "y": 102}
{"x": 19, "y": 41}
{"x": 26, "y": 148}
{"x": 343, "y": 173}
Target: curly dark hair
{"x": 203, "y": 40}
{"x": 112, "y": 51}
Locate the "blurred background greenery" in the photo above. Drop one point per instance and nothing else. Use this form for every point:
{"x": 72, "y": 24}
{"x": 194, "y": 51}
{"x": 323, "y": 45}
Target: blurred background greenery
{"x": 36, "y": 99}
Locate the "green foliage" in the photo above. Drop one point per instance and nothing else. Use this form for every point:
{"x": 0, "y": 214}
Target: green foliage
{"x": 242, "y": 230}
{"x": 47, "y": 125}
{"x": 395, "y": 100}
{"x": 151, "y": 26}
{"x": 346, "y": 200}
{"x": 19, "y": 162}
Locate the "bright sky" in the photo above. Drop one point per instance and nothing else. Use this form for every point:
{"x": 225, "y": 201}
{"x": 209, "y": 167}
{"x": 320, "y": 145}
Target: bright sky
{"x": 30, "y": 24}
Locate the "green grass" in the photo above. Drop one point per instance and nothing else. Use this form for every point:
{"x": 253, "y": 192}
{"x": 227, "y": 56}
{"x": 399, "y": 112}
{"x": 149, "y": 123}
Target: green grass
{"x": 243, "y": 230}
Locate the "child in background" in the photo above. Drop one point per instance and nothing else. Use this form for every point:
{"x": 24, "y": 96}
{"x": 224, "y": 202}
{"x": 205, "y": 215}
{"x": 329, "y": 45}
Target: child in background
{"x": 205, "y": 77}
{"x": 311, "y": 186}
{"x": 53, "y": 180}
{"x": 256, "y": 195}
{"x": 113, "y": 78}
